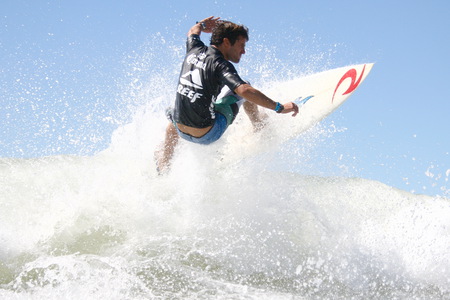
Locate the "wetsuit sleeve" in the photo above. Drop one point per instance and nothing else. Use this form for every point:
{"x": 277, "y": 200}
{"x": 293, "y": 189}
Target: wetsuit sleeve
{"x": 228, "y": 75}
{"x": 193, "y": 41}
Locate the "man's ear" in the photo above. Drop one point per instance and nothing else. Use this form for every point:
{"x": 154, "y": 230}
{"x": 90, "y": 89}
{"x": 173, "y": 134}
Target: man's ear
{"x": 226, "y": 42}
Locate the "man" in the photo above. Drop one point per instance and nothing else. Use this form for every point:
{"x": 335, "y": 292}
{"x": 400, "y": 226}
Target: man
{"x": 210, "y": 91}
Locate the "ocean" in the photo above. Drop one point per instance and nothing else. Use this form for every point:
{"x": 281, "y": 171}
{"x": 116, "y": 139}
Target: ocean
{"x": 249, "y": 217}
{"x": 228, "y": 222}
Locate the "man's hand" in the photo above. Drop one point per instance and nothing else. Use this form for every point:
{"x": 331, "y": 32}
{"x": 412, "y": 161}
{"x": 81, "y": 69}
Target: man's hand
{"x": 208, "y": 26}
{"x": 290, "y": 107}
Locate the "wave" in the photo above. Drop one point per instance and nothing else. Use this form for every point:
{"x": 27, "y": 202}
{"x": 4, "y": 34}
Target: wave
{"x": 233, "y": 220}
{"x": 214, "y": 227}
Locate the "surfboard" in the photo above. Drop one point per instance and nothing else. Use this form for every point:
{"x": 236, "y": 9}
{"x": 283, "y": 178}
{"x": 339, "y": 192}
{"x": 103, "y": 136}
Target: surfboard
{"x": 318, "y": 95}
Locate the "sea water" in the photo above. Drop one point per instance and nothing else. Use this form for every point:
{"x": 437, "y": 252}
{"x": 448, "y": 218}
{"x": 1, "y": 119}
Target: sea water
{"x": 232, "y": 220}
{"x": 108, "y": 227}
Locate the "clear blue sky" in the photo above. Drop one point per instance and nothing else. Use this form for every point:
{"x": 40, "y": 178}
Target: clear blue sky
{"x": 65, "y": 66}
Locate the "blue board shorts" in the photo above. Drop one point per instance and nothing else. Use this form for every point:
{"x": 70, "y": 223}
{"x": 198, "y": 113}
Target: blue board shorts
{"x": 218, "y": 129}
{"x": 226, "y": 109}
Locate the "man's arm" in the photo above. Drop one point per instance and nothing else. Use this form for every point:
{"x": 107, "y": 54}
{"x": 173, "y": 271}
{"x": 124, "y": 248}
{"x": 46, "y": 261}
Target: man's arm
{"x": 253, "y": 95}
{"x": 205, "y": 25}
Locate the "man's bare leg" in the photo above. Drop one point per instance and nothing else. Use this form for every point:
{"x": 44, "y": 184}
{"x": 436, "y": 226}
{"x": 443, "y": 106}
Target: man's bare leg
{"x": 256, "y": 117}
{"x": 164, "y": 155}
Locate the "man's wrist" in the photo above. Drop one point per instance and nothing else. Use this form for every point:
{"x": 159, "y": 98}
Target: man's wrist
{"x": 279, "y": 107}
{"x": 202, "y": 25}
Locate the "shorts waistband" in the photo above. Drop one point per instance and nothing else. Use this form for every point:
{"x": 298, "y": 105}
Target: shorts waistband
{"x": 218, "y": 129}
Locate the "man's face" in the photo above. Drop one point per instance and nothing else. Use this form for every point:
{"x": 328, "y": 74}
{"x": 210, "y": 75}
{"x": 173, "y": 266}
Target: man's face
{"x": 235, "y": 51}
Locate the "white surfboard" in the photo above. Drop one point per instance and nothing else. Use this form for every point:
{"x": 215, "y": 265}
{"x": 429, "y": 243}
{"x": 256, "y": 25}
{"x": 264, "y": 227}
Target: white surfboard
{"x": 318, "y": 95}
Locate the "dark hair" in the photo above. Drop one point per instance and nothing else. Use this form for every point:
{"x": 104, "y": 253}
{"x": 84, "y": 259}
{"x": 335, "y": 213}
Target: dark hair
{"x": 229, "y": 30}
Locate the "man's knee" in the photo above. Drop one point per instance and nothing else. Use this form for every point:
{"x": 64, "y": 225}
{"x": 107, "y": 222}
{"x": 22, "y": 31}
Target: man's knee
{"x": 171, "y": 134}
{"x": 250, "y": 107}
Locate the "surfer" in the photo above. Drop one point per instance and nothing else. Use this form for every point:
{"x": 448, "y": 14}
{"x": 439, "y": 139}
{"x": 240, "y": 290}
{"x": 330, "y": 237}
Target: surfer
{"x": 210, "y": 91}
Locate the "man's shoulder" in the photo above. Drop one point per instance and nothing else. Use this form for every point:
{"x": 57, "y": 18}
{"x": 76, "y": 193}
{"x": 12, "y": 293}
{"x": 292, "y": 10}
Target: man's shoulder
{"x": 217, "y": 57}
{"x": 222, "y": 64}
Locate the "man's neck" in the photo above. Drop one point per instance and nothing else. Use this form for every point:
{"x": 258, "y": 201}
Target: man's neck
{"x": 220, "y": 49}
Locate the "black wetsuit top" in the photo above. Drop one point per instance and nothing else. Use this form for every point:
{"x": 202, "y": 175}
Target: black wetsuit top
{"x": 204, "y": 73}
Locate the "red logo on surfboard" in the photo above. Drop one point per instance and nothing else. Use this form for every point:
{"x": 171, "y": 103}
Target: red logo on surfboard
{"x": 353, "y": 85}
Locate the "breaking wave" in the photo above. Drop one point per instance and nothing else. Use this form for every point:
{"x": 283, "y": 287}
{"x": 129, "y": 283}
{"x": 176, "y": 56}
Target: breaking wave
{"x": 230, "y": 221}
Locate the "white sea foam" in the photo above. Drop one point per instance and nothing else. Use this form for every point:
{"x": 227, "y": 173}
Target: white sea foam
{"x": 109, "y": 226}
{"x": 234, "y": 220}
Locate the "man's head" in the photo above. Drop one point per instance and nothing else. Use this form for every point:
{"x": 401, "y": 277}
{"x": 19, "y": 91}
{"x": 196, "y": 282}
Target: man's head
{"x": 230, "y": 39}
{"x": 229, "y": 30}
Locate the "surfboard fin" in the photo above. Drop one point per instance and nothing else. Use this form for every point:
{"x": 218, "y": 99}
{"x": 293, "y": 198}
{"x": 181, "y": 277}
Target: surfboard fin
{"x": 299, "y": 101}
